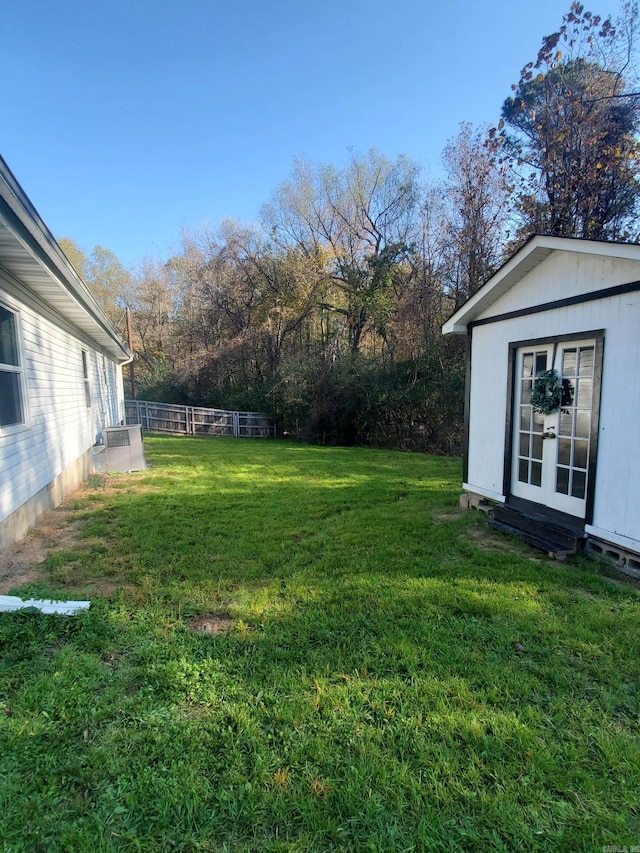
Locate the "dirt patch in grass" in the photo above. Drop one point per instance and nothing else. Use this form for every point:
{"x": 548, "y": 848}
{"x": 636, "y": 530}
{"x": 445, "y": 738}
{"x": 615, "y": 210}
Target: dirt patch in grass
{"x": 20, "y": 563}
{"x": 487, "y": 540}
{"x": 210, "y": 623}
{"x": 447, "y": 515}
{"x": 57, "y": 530}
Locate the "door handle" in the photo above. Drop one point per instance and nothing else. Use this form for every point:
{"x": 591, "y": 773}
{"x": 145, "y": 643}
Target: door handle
{"x": 548, "y": 434}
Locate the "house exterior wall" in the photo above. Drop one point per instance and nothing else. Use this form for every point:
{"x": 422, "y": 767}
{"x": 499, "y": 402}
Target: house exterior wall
{"x": 51, "y": 451}
{"x": 616, "y": 514}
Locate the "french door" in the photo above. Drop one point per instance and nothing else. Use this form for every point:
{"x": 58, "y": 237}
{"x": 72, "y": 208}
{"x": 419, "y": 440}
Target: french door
{"x": 551, "y": 453}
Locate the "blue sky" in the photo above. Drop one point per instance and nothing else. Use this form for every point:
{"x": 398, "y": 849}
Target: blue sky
{"x": 127, "y": 120}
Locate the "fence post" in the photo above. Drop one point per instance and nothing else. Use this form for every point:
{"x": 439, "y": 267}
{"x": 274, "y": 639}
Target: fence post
{"x": 236, "y": 424}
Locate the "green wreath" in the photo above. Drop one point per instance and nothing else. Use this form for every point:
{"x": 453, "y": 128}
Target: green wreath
{"x": 546, "y": 396}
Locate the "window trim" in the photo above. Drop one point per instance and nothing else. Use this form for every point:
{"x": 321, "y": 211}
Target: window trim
{"x": 599, "y": 335}
{"x": 20, "y": 370}
{"x": 86, "y": 378}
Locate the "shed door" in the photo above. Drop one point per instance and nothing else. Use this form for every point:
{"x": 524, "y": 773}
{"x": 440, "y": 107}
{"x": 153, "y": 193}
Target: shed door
{"x": 550, "y": 461}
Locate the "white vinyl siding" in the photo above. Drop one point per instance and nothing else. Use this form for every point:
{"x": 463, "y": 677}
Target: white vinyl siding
{"x": 564, "y": 275}
{"x": 618, "y": 463}
{"x": 60, "y": 427}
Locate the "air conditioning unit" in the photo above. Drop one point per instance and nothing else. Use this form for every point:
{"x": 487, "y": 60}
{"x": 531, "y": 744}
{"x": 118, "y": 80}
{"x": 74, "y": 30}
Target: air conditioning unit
{"x": 124, "y": 448}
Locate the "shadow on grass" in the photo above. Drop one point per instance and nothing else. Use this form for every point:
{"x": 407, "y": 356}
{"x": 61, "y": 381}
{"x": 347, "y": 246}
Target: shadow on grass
{"x": 389, "y": 682}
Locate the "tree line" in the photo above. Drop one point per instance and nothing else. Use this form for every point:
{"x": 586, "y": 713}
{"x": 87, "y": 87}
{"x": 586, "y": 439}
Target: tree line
{"x": 327, "y": 313}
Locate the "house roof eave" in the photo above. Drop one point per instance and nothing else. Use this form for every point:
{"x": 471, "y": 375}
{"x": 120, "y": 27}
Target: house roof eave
{"x": 30, "y": 253}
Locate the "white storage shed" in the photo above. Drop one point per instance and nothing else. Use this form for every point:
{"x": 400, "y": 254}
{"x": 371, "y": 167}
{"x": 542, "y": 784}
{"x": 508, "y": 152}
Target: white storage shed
{"x": 559, "y": 320}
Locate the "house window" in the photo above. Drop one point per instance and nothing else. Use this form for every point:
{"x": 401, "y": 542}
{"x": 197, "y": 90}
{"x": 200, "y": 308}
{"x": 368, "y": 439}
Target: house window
{"x": 85, "y": 373}
{"x": 12, "y": 402}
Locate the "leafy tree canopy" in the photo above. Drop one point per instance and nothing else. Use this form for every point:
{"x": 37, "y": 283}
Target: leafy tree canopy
{"x": 570, "y": 131}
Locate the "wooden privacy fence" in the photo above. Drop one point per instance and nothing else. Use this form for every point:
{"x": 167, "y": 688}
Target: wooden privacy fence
{"x": 196, "y": 420}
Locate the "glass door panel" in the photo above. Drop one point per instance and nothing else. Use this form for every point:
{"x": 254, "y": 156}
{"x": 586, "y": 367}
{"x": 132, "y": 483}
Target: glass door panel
{"x": 550, "y": 460}
{"x": 532, "y": 364}
{"x": 528, "y": 461}
{"x": 576, "y": 369}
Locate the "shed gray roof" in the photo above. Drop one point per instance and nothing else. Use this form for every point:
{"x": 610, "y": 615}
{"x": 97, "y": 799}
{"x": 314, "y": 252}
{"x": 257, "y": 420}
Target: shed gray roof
{"x": 30, "y": 254}
{"x": 534, "y": 251}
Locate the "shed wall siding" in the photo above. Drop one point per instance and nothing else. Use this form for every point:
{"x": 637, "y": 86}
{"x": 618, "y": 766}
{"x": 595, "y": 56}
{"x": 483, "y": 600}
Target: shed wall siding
{"x": 563, "y": 275}
{"x": 60, "y": 427}
{"x": 616, "y": 507}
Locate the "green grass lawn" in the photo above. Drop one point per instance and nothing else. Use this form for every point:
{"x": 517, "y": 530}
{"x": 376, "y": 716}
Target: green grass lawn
{"x": 369, "y": 694}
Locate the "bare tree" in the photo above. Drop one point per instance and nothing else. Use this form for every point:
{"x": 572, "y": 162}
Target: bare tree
{"x": 477, "y": 192}
{"x": 355, "y": 222}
